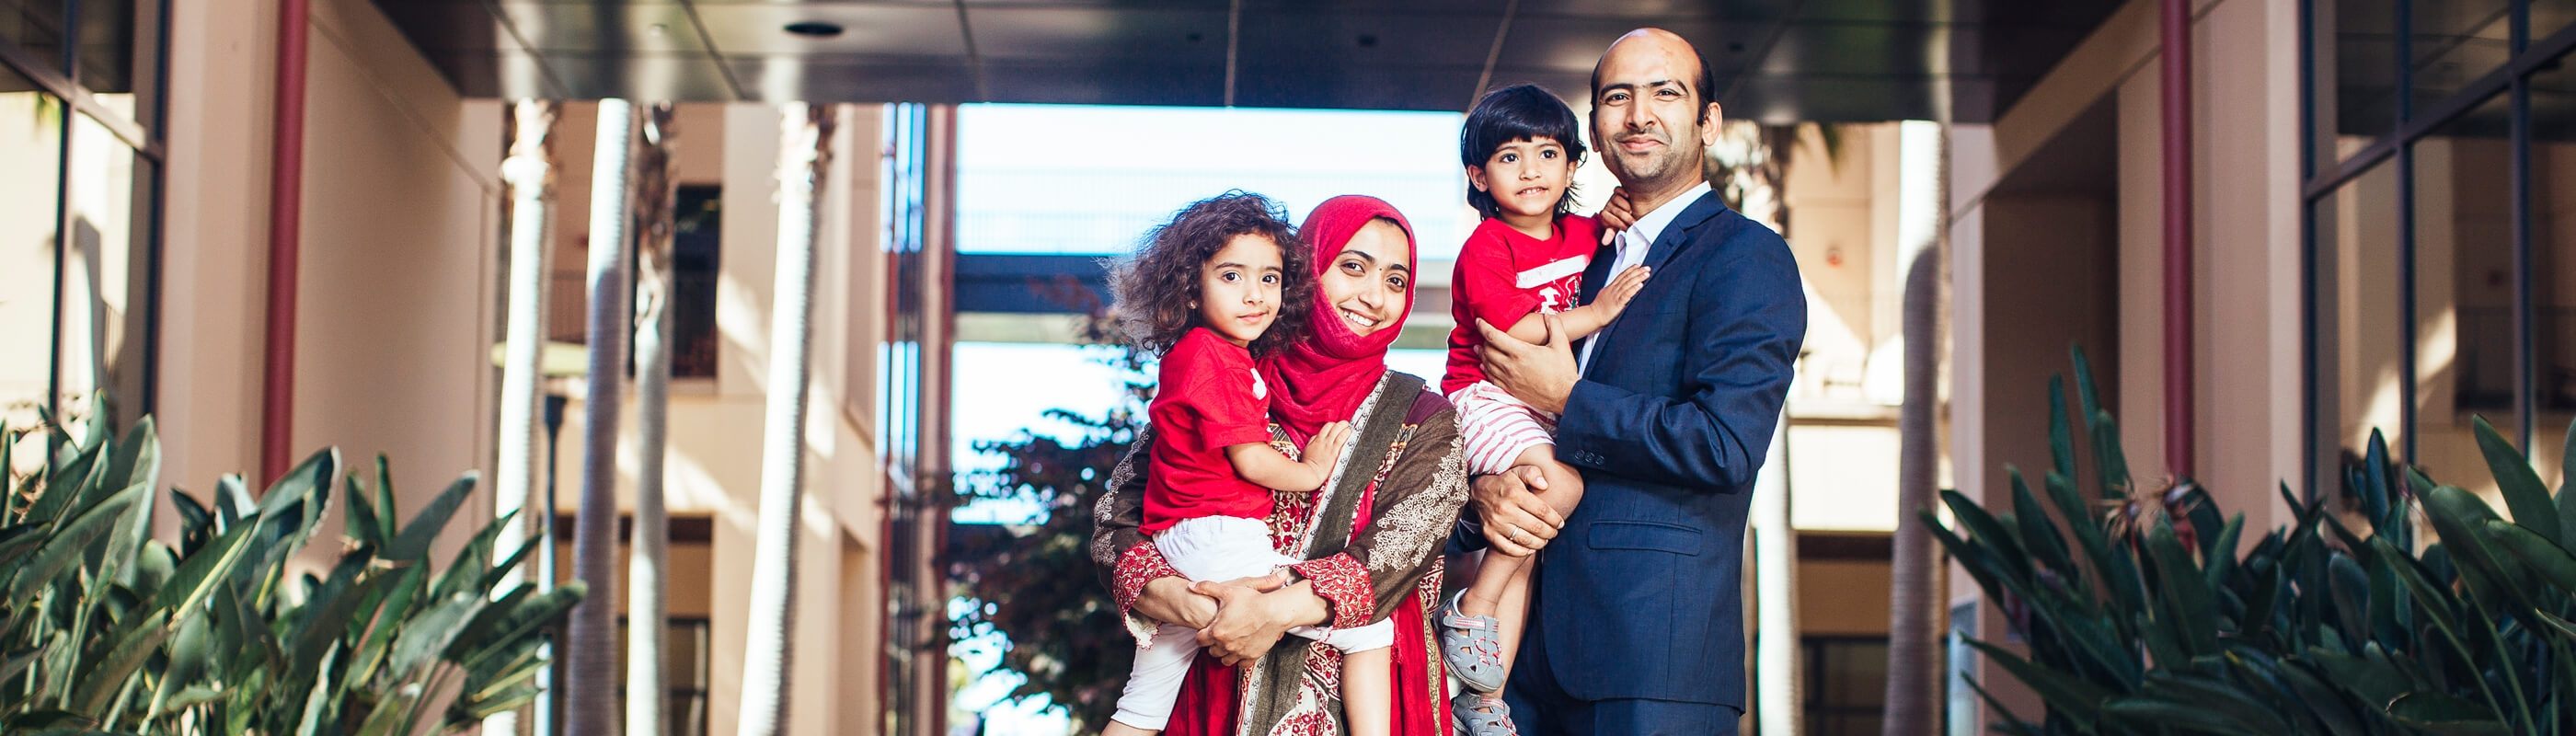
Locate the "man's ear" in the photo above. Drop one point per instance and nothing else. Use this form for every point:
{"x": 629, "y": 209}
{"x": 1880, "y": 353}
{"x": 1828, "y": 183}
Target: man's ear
{"x": 1710, "y": 117}
{"x": 1476, "y": 177}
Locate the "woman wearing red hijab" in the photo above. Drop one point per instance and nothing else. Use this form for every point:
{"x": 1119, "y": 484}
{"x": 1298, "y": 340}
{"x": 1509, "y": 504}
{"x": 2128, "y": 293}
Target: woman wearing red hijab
{"x": 1371, "y": 538}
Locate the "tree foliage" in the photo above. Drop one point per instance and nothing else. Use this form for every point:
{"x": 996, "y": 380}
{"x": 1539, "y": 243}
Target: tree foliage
{"x": 1034, "y": 582}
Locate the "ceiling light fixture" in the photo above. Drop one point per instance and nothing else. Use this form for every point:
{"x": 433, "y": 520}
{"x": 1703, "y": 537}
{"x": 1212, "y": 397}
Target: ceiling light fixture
{"x": 814, "y": 29}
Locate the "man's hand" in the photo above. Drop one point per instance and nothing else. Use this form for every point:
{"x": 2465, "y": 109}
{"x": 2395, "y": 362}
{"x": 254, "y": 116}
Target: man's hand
{"x": 1541, "y": 374}
{"x": 1171, "y": 599}
{"x": 1248, "y": 622}
{"x": 1516, "y": 521}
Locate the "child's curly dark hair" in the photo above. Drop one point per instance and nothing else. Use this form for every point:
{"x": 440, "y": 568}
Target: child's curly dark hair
{"x": 1155, "y": 288}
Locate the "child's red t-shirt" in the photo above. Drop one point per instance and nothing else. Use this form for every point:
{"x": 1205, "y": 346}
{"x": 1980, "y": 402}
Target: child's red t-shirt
{"x": 1504, "y": 275}
{"x": 1209, "y": 398}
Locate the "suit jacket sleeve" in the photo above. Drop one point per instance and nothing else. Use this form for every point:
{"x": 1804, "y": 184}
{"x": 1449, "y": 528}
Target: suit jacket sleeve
{"x": 1746, "y": 319}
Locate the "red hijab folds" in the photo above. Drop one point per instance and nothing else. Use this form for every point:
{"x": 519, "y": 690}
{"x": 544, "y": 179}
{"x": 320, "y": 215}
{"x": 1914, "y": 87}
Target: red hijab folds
{"x": 1326, "y": 377}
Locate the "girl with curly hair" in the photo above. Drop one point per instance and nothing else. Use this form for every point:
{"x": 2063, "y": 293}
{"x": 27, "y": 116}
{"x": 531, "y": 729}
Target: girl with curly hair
{"x": 1205, "y": 294}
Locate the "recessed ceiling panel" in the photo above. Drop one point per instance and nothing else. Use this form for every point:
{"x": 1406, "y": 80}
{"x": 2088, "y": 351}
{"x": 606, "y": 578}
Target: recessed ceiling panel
{"x": 1364, "y": 39}
{"x": 604, "y": 27}
{"x": 853, "y": 79}
{"x": 1577, "y": 43}
{"x": 1864, "y": 48}
{"x": 440, "y": 27}
{"x": 1651, "y": 12}
{"x": 1406, "y": 87}
{"x": 676, "y": 77}
{"x": 1189, "y": 36}
{"x": 761, "y": 30}
{"x": 1105, "y": 83}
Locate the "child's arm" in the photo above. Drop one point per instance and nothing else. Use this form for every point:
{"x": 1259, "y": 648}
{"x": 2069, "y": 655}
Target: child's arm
{"x": 1257, "y": 462}
{"x": 1590, "y": 318}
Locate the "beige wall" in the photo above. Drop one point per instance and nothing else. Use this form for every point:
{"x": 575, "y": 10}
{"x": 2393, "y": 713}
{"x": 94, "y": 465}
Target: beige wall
{"x": 399, "y": 215}
{"x": 215, "y": 239}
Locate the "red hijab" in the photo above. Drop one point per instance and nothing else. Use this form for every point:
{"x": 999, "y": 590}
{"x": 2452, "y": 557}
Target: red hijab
{"x": 1326, "y": 377}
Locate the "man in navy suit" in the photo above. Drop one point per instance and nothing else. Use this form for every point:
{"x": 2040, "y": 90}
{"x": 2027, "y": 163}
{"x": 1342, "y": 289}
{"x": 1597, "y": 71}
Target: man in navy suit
{"x": 1636, "y": 616}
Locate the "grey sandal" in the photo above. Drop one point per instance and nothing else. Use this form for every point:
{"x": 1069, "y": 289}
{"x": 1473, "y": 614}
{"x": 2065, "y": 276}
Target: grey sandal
{"x": 1482, "y": 715}
{"x": 1473, "y": 647}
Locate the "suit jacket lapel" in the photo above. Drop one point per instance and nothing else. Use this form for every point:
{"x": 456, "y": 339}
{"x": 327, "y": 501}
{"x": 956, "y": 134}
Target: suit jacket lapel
{"x": 1676, "y": 236}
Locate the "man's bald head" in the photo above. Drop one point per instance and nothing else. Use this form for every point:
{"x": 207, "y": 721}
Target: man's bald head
{"x": 1702, "y": 82}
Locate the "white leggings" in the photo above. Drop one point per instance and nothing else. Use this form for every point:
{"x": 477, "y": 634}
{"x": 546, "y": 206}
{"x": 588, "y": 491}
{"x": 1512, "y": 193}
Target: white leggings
{"x": 1216, "y": 548}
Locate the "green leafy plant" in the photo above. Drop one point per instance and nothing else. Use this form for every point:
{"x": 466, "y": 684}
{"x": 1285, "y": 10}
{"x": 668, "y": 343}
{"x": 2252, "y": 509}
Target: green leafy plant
{"x": 1034, "y": 583}
{"x": 2322, "y": 627}
{"x": 104, "y": 628}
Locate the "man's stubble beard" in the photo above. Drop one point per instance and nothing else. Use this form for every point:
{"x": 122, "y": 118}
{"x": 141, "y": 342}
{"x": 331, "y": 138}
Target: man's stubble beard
{"x": 1674, "y": 169}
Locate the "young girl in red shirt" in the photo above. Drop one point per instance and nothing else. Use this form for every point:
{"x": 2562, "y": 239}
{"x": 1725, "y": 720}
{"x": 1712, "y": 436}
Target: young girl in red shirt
{"x": 1520, "y": 146}
{"x": 1205, "y": 294}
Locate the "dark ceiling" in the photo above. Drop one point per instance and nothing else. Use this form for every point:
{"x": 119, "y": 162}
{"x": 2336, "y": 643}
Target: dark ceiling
{"x": 1776, "y": 60}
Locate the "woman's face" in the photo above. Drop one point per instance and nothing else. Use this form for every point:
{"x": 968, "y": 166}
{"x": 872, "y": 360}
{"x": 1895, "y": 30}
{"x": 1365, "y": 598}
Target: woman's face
{"x": 1367, "y": 282}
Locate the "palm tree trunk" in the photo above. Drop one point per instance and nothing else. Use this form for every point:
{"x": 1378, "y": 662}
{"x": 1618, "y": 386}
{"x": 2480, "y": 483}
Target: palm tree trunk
{"x": 530, "y": 173}
{"x": 1775, "y": 545}
{"x": 647, "y": 589}
{"x": 590, "y": 684}
{"x": 1775, "y": 540}
{"x": 1913, "y": 664}
{"x": 803, "y": 154}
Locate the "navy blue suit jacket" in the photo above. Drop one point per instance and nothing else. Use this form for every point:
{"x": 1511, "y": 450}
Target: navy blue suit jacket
{"x": 1639, "y": 596}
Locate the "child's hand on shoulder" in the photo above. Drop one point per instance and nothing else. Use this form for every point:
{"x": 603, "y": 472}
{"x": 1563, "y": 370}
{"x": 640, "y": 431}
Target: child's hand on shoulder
{"x": 1616, "y": 215}
{"x": 1324, "y": 450}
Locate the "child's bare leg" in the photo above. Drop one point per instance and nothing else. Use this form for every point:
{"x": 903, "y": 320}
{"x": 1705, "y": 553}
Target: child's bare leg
{"x": 1368, "y": 692}
{"x": 1120, "y": 729}
{"x": 1564, "y": 491}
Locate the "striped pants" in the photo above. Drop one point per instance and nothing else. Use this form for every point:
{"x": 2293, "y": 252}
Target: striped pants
{"x": 1498, "y": 427}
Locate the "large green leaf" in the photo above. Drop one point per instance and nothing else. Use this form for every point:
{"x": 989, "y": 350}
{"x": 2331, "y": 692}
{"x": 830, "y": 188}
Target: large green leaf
{"x": 203, "y": 573}
{"x": 2061, "y": 433}
{"x": 413, "y": 543}
{"x": 2550, "y": 561}
{"x": 2523, "y": 493}
{"x": 2038, "y": 533}
{"x": 2064, "y": 694}
{"x": 2567, "y": 481}
{"x": 2458, "y": 516}
{"x": 108, "y": 676}
{"x": 2444, "y": 714}
{"x": 2184, "y": 590}
{"x": 68, "y": 545}
{"x": 522, "y": 619}
{"x": 427, "y": 635}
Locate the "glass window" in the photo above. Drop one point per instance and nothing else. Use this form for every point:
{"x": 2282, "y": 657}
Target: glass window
{"x": 2553, "y": 246}
{"x": 120, "y": 43}
{"x": 1063, "y": 179}
{"x": 107, "y": 270}
{"x": 2358, "y": 330}
{"x": 36, "y": 28}
{"x": 2355, "y": 92}
{"x": 31, "y": 149}
{"x": 697, "y": 236}
{"x": 2464, "y": 300}
{"x": 2457, "y": 41}
{"x": 1846, "y": 689}
{"x": 2551, "y": 16}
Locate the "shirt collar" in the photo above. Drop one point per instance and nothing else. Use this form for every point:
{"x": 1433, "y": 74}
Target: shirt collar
{"x": 1651, "y": 225}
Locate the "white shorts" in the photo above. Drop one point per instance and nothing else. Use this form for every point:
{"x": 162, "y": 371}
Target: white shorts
{"x": 1498, "y": 427}
{"x": 1216, "y": 548}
